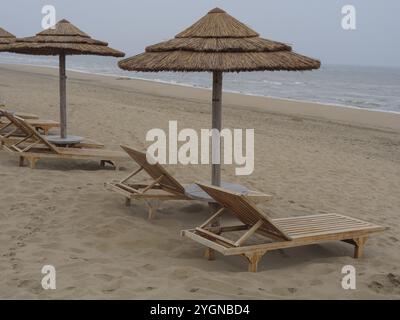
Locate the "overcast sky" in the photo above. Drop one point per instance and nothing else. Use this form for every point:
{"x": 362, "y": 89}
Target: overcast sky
{"x": 313, "y": 27}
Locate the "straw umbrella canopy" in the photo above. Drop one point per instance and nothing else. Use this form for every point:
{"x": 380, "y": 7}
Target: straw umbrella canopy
{"x": 63, "y": 39}
{"x": 218, "y": 43}
{"x": 5, "y": 39}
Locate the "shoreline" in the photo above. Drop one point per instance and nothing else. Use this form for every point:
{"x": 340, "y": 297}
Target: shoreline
{"x": 348, "y": 115}
{"x": 187, "y": 85}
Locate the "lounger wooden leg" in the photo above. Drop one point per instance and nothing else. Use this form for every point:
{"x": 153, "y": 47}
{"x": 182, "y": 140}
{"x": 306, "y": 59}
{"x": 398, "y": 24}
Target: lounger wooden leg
{"x": 253, "y": 259}
{"x": 209, "y": 254}
{"x": 32, "y": 162}
{"x": 21, "y": 161}
{"x": 128, "y": 202}
{"x": 359, "y": 247}
{"x": 358, "y": 244}
{"x": 153, "y": 207}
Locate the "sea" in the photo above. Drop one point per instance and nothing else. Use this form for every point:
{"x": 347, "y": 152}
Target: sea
{"x": 365, "y": 87}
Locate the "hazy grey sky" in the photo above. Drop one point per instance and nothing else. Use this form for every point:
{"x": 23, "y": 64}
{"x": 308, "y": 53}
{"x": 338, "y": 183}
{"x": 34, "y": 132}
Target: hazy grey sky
{"x": 313, "y": 27}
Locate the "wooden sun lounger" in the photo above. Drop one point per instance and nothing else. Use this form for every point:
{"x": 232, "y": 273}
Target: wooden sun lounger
{"x": 163, "y": 188}
{"x": 44, "y": 126}
{"x": 85, "y": 144}
{"x": 278, "y": 233}
{"x": 32, "y": 146}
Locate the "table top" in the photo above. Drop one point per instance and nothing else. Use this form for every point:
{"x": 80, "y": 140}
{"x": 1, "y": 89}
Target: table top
{"x": 69, "y": 140}
{"x": 195, "y": 192}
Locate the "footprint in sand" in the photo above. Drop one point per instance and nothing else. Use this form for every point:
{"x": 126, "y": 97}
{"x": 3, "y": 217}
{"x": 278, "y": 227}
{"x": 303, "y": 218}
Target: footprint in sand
{"x": 385, "y": 284}
{"x": 316, "y": 282}
{"x": 106, "y": 277}
{"x": 31, "y": 285}
{"x": 284, "y": 291}
{"x": 179, "y": 274}
{"x": 292, "y": 290}
{"x": 376, "y": 286}
{"x": 149, "y": 267}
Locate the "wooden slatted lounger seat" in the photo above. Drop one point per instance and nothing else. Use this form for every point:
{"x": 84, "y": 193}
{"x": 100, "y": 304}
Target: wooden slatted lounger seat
{"x": 163, "y": 188}
{"x": 280, "y": 233}
{"x": 32, "y": 146}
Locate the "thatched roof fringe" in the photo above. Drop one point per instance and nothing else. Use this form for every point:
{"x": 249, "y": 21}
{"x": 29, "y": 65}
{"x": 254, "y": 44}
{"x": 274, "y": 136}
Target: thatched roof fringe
{"x": 186, "y": 61}
{"x": 61, "y": 39}
{"x": 54, "y": 49}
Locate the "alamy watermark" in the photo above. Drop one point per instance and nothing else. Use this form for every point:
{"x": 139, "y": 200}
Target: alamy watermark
{"x": 49, "y": 280}
{"x": 349, "y": 17}
{"x": 195, "y": 149}
{"x": 49, "y": 19}
{"x": 349, "y": 280}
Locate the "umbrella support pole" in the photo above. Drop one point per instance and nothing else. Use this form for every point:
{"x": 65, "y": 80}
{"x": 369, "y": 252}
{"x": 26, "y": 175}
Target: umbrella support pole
{"x": 216, "y": 147}
{"x": 216, "y": 124}
{"x": 63, "y": 97}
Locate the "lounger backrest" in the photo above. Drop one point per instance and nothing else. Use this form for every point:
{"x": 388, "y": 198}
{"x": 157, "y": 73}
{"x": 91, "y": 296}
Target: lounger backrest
{"x": 28, "y": 129}
{"x": 244, "y": 210}
{"x": 155, "y": 170}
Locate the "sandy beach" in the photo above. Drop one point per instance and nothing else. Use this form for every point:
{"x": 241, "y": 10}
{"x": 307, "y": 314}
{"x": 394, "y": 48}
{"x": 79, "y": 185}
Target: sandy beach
{"x": 312, "y": 158}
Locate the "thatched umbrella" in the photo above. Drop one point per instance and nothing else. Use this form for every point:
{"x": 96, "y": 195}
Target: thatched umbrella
{"x": 5, "y": 39}
{"x": 62, "y": 40}
{"x": 218, "y": 43}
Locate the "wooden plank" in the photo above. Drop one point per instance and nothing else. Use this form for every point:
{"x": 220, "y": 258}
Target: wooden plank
{"x": 249, "y": 233}
{"x": 295, "y": 227}
{"x": 214, "y": 216}
{"x": 137, "y": 196}
{"x": 215, "y": 236}
{"x": 302, "y": 241}
{"x": 329, "y": 232}
{"x": 134, "y": 173}
{"x": 204, "y": 241}
{"x": 325, "y": 227}
{"x": 151, "y": 185}
{"x": 320, "y": 222}
{"x": 306, "y": 216}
